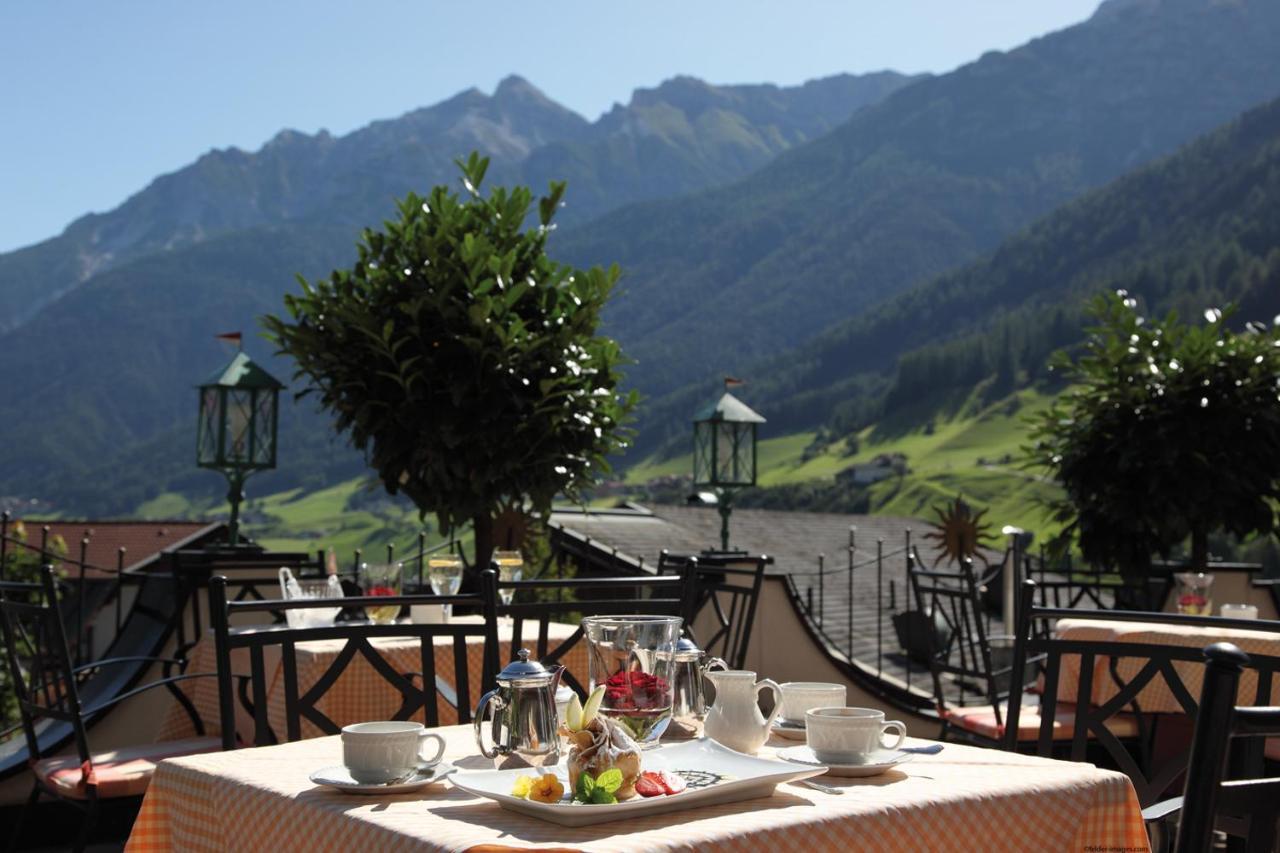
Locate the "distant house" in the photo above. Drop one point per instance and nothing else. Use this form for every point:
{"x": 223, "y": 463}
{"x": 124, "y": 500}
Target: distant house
{"x": 880, "y": 468}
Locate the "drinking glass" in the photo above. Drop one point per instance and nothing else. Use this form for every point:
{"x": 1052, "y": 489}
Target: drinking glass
{"x": 445, "y": 573}
{"x": 1195, "y": 593}
{"x": 634, "y": 658}
{"x": 510, "y": 568}
{"x": 381, "y": 579}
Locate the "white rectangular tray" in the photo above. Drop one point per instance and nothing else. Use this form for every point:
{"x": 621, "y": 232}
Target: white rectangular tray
{"x": 743, "y": 777}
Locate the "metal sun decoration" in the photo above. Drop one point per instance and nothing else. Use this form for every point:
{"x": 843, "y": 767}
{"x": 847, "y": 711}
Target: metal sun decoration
{"x": 960, "y": 533}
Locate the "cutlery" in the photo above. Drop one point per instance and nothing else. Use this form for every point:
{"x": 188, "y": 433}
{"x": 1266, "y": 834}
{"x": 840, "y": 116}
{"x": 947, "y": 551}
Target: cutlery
{"x": 818, "y": 786}
{"x": 931, "y": 749}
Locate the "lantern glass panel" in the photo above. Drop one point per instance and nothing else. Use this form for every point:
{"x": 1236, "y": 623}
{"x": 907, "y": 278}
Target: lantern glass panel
{"x": 264, "y": 432}
{"x": 744, "y": 457}
{"x": 702, "y": 452}
{"x": 208, "y": 428}
{"x": 239, "y": 439}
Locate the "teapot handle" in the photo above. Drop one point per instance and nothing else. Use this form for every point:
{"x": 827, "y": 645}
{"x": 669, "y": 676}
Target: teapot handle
{"x": 777, "y": 698}
{"x": 498, "y": 705}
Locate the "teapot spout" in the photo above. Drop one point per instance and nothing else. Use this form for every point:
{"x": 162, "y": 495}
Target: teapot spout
{"x": 555, "y": 679}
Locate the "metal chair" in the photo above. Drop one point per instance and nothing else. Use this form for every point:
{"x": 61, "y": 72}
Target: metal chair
{"x": 1118, "y": 730}
{"x": 569, "y": 599}
{"x": 1245, "y": 806}
{"x": 47, "y": 688}
{"x": 728, "y": 583}
{"x": 971, "y": 680}
{"x": 299, "y": 704}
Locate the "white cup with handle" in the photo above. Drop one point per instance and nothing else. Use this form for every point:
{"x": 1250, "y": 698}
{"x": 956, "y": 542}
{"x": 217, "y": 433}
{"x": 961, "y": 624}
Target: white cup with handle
{"x": 375, "y": 753}
{"x": 850, "y": 735}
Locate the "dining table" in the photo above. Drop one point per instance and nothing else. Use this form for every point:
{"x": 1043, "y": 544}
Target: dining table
{"x": 962, "y": 798}
{"x": 1156, "y": 697}
{"x": 360, "y": 693}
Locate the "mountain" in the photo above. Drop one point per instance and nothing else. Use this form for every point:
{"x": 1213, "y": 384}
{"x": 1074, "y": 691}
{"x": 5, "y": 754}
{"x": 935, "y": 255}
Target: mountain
{"x": 930, "y": 178}
{"x": 1195, "y": 230}
{"x": 682, "y": 136}
{"x": 98, "y": 383}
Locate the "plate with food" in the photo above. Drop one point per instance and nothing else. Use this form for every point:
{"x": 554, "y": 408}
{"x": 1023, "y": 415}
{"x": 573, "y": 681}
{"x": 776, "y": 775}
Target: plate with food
{"x": 608, "y": 777}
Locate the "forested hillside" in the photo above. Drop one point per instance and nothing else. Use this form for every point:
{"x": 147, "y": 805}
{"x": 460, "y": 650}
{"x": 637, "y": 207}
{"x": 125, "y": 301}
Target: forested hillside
{"x": 930, "y": 178}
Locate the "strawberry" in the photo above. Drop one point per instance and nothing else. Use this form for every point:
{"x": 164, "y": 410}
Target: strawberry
{"x": 671, "y": 783}
{"x": 650, "y": 784}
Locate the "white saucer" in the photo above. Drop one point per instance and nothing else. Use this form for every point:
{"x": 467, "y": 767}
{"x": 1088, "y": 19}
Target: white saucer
{"x": 340, "y": 777}
{"x": 874, "y": 766}
{"x": 788, "y": 730}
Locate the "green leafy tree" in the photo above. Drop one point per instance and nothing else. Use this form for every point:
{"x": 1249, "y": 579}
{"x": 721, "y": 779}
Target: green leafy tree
{"x": 462, "y": 359}
{"x": 21, "y": 562}
{"x": 1169, "y": 431}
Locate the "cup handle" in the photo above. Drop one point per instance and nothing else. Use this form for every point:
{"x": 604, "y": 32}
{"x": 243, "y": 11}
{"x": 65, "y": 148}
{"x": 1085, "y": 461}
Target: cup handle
{"x": 777, "y": 699}
{"x": 901, "y": 729}
{"x": 435, "y": 759}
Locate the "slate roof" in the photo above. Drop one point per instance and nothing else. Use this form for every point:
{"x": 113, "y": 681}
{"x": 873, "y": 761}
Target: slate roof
{"x": 142, "y": 540}
{"x": 793, "y": 539}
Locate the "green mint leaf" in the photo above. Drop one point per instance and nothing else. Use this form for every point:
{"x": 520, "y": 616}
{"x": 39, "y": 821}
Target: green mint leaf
{"x": 610, "y": 780}
{"x": 601, "y": 797}
{"x": 585, "y": 787}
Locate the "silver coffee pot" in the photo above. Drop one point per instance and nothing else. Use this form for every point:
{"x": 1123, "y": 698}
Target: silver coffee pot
{"x": 525, "y": 721}
{"x": 689, "y": 703}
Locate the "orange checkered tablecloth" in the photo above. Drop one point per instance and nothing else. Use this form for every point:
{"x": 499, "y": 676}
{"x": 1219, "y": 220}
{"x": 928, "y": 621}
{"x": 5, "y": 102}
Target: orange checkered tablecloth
{"x": 962, "y": 799}
{"x": 360, "y": 693}
{"x": 1156, "y": 697}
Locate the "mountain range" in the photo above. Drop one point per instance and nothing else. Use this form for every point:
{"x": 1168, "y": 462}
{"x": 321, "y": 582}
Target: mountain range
{"x": 681, "y": 136}
{"x": 760, "y": 232}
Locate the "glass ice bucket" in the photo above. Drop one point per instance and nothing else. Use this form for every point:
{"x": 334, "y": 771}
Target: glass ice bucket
{"x": 634, "y": 658}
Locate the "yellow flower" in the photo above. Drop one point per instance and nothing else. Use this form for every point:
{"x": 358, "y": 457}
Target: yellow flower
{"x": 522, "y": 786}
{"x": 547, "y": 789}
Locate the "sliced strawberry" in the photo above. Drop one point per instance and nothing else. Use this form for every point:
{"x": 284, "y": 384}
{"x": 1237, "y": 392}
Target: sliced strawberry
{"x": 671, "y": 783}
{"x": 650, "y": 784}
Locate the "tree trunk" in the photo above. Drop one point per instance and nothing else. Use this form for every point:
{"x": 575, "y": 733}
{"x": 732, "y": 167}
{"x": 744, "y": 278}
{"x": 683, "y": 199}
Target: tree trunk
{"x": 1199, "y": 549}
{"x": 482, "y": 526}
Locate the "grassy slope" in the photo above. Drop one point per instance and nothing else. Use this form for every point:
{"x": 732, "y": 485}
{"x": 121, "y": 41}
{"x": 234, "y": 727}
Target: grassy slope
{"x": 942, "y": 465}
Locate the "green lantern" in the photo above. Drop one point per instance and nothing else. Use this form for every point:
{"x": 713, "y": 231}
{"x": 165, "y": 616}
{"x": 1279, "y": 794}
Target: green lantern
{"x": 724, "y": 453}
{"x": 236, "y": 432}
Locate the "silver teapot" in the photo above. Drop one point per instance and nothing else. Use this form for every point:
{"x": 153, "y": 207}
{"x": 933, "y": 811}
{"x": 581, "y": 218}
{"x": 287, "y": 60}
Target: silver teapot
{"x": 689, "y": 703}
{"x": 525, "y": 721}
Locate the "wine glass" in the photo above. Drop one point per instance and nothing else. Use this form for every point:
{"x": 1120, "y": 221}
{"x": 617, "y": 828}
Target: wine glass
{"x": 510, "y": 568}
{"x": 445, "y": 573}
{"x": 381, "y": 579}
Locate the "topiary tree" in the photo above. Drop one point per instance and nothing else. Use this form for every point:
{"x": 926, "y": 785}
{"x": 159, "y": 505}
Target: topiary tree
{"x": 462, "y": 359}
{"x": 1168, "y": 432}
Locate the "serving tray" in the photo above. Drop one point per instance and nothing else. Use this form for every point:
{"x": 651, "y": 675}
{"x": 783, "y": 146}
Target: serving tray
{"x": 714, "y": 773}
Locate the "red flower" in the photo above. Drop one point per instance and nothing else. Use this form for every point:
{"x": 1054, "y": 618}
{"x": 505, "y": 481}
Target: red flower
{"x": 636, "y": 691}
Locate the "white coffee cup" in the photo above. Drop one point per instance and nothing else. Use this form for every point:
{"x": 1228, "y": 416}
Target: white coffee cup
{"x": 849, "y": 735}
{"x": 799, "y": 696}
{"x": 380, "y": 752}
{"x": 1238, "y": 611}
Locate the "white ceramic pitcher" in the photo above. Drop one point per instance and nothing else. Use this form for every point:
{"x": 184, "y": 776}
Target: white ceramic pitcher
{"x": 735, "y": 719}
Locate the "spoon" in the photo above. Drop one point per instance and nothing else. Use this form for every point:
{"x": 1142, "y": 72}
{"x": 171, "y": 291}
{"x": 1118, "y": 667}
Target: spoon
{"x": 818, "y": 786}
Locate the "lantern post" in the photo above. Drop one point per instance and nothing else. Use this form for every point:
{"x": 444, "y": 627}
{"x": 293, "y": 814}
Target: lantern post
{"x": 724, "y": 453}
{"x": 237, "y": 427}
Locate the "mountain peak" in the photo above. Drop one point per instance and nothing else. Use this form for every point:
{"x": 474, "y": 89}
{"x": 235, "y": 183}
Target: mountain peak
{"x": 514, "y": 86}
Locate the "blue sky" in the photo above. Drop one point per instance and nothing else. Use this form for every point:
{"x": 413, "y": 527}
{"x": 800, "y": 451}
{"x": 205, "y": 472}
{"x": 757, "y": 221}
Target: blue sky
{"x": 100, "y": 97}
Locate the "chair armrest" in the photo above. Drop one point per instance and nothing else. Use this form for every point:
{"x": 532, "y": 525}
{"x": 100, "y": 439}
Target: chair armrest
{"x": 97, "y": 664}
{"x": 163, "y": 682}
{"x": 1162, "y": 809}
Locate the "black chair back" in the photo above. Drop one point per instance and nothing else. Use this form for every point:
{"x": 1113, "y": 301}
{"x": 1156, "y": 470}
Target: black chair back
{"x": 1246, "y": 807}
{"x": 1036, "y": 639}
{"x": 960, "y": 655}
{"x": 535, "y": 604}
{"x": 726, "y": 585}
{"x": 253, "y": 692}
{"x": 39, "y": 660}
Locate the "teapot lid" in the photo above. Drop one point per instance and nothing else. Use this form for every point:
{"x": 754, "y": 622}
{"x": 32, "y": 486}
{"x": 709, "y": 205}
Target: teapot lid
{"x": 525, "y": 672}
{"x": 687, "y": 649}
